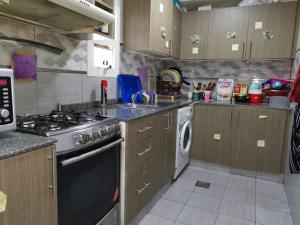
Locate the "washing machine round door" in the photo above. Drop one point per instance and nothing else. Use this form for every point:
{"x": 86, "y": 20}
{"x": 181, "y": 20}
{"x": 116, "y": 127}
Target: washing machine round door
{"x": 186, "y": 138}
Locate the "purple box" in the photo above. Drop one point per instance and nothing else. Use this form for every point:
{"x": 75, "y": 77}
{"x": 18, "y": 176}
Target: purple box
{"x": 25, "y": 66}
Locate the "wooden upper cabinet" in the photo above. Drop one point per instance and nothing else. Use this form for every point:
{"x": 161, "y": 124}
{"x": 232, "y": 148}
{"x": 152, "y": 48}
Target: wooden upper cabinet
{"x": 228, "y": 29}
{"x": 176, "y": 33}
{"x": 26, "y": 179}
{"x": 271, "y": 31}
{"x": 194, "y": 38}
{"x": 148, "y": 25}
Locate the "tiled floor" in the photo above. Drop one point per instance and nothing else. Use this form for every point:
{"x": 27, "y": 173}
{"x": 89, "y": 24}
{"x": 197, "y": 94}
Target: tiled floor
{"x": 230, "y": 200}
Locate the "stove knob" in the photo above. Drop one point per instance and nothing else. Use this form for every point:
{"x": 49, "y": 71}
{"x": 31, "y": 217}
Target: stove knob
{"x": 4, "y": 113}
{"x": 79, "y": 139}
{"x": 85, "y": 138}
{"x": 96, "y": 135}
{"x": 110, "y": 130}
{"x": 117, "y": 128}
{"x": 104, "y": 132}
{"x": 91, "y": 136}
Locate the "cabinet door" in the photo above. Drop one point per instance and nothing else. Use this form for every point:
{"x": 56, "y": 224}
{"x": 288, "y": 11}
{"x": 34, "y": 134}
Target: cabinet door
{"x": 228, "y": 33}
{"x": 200, "y": 136}
{"x": 270, "y": 139}
{"x": 243, "y": 155}
{"x": 131, "y": 197}
{"x": 159, "y": 153}
{"x": 171, "y": 145}
{"x": 176, "y": 33}
{"x": 211, "y": 134}
{"x": 194, "y": 36}
{"x": 26, "y": 179}
{"x": 271, "y": 29}
{"x": 219, "y": 134}
{"x": 160, "y": 22}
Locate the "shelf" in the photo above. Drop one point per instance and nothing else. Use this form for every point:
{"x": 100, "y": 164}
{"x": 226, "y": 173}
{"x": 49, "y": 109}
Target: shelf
{"x": 104, "y": 5}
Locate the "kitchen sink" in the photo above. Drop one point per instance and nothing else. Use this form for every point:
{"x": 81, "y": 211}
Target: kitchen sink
{"x": 137, "y": 106}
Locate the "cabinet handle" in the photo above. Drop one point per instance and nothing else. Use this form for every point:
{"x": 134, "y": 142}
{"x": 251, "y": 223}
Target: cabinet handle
{"x": 168, "y": 115}
{"x": 144, "y": 130}
{"x": 262, "y": 117}
{"x": 53, "y": 186}
{"x": 146, "y": 185}
{"x": 250, "y": 50}
{"x": 145, "y": 151}
{"x": 243, "y": 51}
{"x": 238, "y": 120}
{"x": 170, "y": 46}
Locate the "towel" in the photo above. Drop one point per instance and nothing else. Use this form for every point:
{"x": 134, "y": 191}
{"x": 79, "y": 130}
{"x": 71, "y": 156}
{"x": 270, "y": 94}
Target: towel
{"x": 294, "y": 160}
{"x": 295, "y": 93}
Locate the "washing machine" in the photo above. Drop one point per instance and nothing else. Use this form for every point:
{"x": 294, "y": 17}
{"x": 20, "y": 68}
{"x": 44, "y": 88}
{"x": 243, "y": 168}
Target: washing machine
{"x": 183, "y": 139}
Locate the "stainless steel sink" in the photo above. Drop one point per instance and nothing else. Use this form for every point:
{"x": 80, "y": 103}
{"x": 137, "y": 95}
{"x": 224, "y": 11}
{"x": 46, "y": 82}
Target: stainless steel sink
{"x": 137, "y": 106}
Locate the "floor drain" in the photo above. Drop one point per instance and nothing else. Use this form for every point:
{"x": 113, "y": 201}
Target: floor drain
{"x": 202, "y": 184}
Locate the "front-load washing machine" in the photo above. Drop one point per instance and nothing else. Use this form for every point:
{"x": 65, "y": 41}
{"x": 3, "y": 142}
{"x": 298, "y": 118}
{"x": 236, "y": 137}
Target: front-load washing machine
{"x": 183, "y": 139}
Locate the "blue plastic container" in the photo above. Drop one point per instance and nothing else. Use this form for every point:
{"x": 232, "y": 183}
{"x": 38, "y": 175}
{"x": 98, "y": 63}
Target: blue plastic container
{"x": 129, "y": 85}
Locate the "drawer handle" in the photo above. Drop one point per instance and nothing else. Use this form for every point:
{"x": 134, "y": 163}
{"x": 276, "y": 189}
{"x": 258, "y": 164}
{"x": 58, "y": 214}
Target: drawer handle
{"x": 262, "y": 117}
{"x": 145, "y": 151}
{"x": 140, "y": 191}
{"x": 144, "y": 130}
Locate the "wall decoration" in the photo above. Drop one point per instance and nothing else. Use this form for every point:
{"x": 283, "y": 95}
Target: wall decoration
{"x": 231, "y": 35}
{"x": 268, "y": 35}
{"x": 196, "y": 38}
{"x": 163, "y": 32}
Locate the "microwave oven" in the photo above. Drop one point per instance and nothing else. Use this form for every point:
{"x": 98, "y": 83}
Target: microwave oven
{"x": 7, "y": 101}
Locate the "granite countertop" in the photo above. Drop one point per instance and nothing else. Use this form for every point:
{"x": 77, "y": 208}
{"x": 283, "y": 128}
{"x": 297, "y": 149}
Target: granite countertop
{"x": 129, "y": 114}
{"x": 15, "y": 143}
{"x": 260, "y": 105}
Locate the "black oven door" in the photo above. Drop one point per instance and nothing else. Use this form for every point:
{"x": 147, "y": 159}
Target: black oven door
{"x": 88, "y": 183}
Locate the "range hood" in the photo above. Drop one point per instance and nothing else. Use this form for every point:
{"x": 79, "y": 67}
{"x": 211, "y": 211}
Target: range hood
{"x": 63, "y": 15}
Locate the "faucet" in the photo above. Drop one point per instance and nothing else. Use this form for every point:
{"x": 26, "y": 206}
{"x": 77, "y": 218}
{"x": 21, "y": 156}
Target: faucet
{"x": 133, "y": 98}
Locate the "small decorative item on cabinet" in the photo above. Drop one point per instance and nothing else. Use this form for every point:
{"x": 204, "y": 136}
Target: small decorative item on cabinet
{"x": 163, "y": 32}
{"x": 231, "y": 35}
{"x": 196, "y": 38}
{"x": 268, "y": 35}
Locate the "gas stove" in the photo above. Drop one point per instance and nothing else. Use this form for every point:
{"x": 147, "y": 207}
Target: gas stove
{"x": 72, "y": 129}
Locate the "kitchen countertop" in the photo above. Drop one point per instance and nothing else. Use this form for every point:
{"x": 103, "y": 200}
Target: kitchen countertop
{"x": 259, "y": 105}
{"x": 129, "y": 114}
{"x": 15, "y": 143}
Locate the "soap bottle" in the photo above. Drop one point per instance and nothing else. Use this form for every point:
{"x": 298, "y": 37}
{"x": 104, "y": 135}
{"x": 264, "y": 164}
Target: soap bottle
{"x": 104, "y": 85}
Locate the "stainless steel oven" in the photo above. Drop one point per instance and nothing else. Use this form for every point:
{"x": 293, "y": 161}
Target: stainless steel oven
{"x": 88, "y": 184}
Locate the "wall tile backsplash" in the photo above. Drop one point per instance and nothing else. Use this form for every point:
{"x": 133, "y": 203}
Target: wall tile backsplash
{"x": 51, "y": 89}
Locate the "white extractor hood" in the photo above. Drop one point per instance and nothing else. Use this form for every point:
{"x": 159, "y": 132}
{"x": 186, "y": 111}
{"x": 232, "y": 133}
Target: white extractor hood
{"x": 64, "y": 15}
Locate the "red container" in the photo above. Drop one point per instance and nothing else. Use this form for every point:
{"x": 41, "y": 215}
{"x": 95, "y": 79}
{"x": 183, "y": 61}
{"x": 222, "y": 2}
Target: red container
{"x": 277, "y": 92}
{"x": 256, "y": 98}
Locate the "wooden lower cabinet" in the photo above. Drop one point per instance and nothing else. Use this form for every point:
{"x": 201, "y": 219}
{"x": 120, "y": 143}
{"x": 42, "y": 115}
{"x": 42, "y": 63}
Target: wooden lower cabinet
{"x": 243, "y": 137}
{"x": 260, "y": 139}
{"x": 212, "y": 133}
{"x": 150, "y": 163}
{"x": 26, "y": 179}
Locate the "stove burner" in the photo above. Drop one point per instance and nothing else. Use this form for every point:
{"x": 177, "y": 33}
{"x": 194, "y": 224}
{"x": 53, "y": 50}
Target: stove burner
{"x": 58, "y": 120}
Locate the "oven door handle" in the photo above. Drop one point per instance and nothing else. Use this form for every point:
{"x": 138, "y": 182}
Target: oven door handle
{"x": 87, "y": 155}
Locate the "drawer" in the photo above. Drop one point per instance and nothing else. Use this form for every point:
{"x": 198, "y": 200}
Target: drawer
{"x": 138, "y": 152}
{"x": 139, "y": 130}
